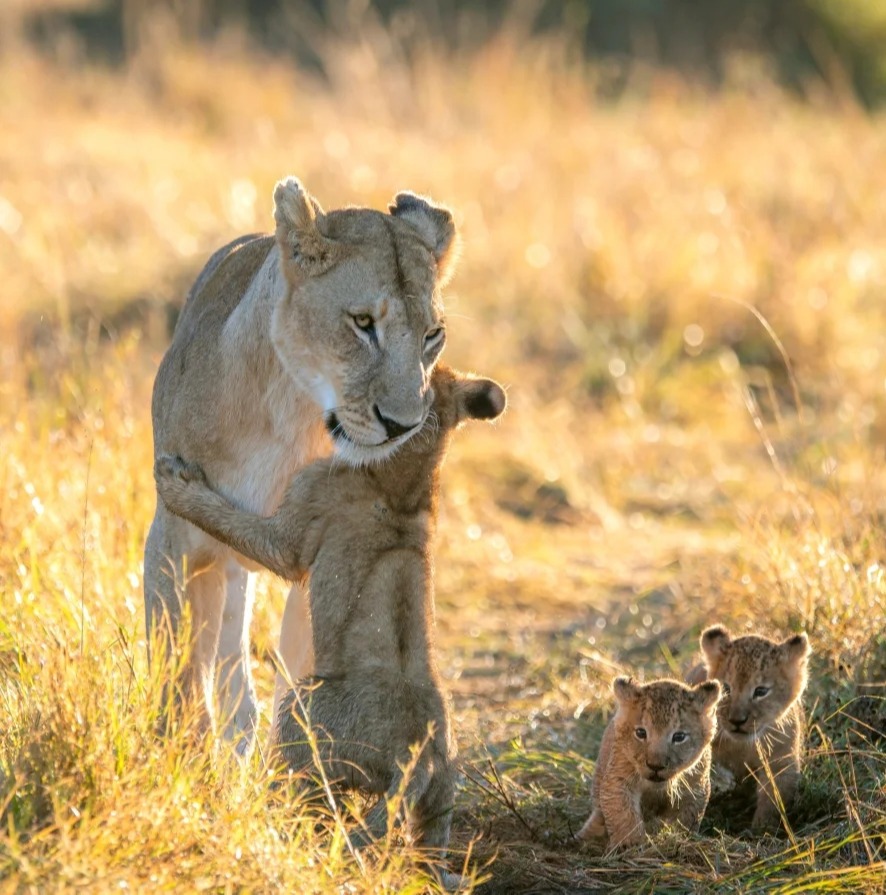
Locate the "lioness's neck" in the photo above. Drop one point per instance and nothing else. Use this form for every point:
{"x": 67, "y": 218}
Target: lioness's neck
{"x": 284, "y": 424}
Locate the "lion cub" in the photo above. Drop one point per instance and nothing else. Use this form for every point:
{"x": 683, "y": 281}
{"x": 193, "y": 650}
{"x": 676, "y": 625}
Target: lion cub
{"x": 363, "y": 536}
{"x": 655, "y": 760}
{"x": 761, "y": 717}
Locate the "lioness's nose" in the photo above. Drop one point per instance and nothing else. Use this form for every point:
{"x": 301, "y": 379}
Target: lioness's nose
{"x": 392, "y": 427}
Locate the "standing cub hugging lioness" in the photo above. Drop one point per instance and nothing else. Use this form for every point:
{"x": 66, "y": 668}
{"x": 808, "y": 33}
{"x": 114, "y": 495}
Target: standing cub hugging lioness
{"x": 363, "y": 536}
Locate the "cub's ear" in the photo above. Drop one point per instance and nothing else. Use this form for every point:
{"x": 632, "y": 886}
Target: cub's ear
{"x": 434, "y": 225}
{"x": 303, "y": 247}
{"x": 479, "y": 399}
{"x": 626, "y": 690}
{"x": 707, "y": 695}
{"x": 796, "y": 648}
{"x": 715, "y": 641}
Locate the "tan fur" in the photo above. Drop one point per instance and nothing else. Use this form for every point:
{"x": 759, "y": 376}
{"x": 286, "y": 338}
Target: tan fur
{"x": 363, "y": 536}
{"x": 759, "y": 738}
{"x": 267, "y": 357}
{"x": 640, "y": 782}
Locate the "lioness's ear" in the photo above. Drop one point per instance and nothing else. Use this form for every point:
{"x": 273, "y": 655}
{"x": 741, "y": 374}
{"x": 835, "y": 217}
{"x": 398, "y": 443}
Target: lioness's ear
{"x": 715, "y": 641}
{"x": 479, "y": 399}
{"x": 304, "y": 249}
{"x": 435, "y": 227}
{"x": 796, "y": 648}
{"x": 707, "y": 695}
{"x": 626, "y": 690}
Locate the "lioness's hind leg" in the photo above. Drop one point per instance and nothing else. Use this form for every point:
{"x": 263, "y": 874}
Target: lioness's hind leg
{"x": 166, "y": 590}
{"x": 163, "y": 586}
{"x": 163, "y": 604}
{"x": 238, "y": 706}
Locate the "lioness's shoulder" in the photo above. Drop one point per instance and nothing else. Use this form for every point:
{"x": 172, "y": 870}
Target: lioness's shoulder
{"x": 221, "y": 284}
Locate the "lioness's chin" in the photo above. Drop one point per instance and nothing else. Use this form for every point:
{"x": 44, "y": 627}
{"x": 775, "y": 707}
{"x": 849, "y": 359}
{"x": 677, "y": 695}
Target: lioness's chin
{"x": 356, "y": 454}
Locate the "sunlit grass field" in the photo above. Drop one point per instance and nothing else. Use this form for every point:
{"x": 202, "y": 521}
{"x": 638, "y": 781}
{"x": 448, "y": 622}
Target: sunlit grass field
{"x": 685, "y": 295}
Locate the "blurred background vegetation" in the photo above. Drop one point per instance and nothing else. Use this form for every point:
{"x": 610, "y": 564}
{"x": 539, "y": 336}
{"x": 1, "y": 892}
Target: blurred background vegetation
{"x": 839, "y": 41}
{"x": 674, "y": 257}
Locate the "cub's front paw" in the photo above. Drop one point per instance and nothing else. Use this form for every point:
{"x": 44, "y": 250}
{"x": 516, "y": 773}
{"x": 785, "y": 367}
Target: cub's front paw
{"x": 169, "y": 469}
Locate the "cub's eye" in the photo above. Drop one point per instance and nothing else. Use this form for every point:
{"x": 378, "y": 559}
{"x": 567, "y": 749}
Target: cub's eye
{"x": 364, "y": 322}
{"x": 726, "y": 688}
{"x": 679, "y": 737}
{"x": 761, "y": 692}
{"x": 640, "y": 733}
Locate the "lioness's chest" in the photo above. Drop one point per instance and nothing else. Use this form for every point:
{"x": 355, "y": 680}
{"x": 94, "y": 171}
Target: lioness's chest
{"x": 268, "y": 456}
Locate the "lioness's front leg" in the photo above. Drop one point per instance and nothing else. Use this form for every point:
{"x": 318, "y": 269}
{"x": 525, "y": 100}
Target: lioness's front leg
{"x": 186, "y": 492}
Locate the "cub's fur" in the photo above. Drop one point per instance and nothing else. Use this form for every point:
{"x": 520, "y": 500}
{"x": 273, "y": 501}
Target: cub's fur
{"x": 363, "y": 535}
{"x": 654, "y": 762}
{"x": 762, "y": 721}
{"x": 329, "y": 327}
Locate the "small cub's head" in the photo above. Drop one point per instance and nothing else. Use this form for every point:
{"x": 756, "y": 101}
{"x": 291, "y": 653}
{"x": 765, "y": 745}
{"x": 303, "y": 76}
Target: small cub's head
{"x": 664, "y": 726}
{"x": 762, "y": 678}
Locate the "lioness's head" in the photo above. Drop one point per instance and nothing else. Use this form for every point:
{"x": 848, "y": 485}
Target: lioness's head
{"x": 664, "y": 726}
{"x": 361, "y": 325}
{"x": 762, "y": 678}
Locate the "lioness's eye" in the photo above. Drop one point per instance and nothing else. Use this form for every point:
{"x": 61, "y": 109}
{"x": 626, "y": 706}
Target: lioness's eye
{"x": 433, "y": 335}
{"x": 640, "y": 733}
{"x": 364, "y": 322}
{"x": 760, "y": 692}
{"x": 679, "y": 737}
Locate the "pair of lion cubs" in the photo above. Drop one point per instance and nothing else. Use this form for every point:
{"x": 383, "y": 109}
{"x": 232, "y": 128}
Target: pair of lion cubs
{"x": 374, "y": 704}
{"x": 741, "y": 710}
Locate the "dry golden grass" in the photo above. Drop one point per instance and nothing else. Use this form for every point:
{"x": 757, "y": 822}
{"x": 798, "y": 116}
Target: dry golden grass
{"x": 653, "y": 473}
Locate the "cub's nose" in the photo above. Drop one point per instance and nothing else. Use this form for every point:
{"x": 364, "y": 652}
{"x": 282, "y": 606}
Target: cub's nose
{"x": 392, "y": 427}
{"x": 655, "y": 767}
{"x": 738, "y": 722}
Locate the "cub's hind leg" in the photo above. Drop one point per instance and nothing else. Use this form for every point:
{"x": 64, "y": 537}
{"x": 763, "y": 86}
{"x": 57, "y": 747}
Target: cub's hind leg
{"x": 432, "y": 815}
{"x": 432, "y": 819}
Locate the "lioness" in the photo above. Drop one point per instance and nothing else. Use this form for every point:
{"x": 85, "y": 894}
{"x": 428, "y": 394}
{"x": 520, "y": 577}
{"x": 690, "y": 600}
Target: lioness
{"x": 364, "y": 538}
{"x": 330, "y": 328}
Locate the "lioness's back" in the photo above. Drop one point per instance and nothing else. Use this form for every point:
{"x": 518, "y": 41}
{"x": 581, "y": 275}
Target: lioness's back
{"x": 194, "y": 362}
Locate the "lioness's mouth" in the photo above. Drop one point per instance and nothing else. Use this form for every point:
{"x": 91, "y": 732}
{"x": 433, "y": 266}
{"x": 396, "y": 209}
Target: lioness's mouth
{"x": 338, "y": 433}
{"x": 337, "y": 430}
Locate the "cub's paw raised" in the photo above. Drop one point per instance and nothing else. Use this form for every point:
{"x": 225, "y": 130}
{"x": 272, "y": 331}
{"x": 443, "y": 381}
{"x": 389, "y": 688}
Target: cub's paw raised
{"x": 169, "y": 469}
